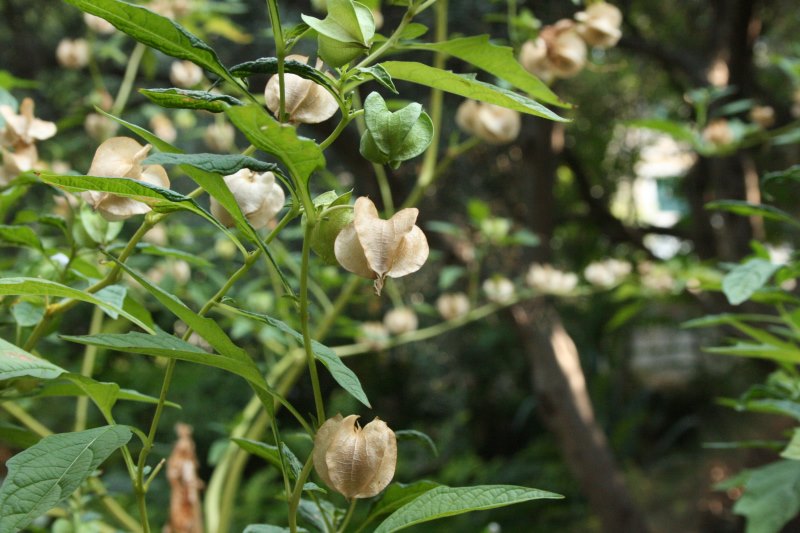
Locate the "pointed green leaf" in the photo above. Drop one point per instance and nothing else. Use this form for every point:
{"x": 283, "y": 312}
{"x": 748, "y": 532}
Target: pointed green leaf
{"x": 16, "y": 363}
{"x": 449, "y": 501}
{"x": 379, "y": 74}
{"x": 792, "y": 450}
{"x": 677, "y": 130}
{"x": 113, "y": 295}
{"x": 345, "y": 377}
{"x": 467, "y": 86}
{"x": 741, "y": 207}
{"x": 215, "y": 186}
{"x": 51, "y": 470}
{"x": 43, "y": 287}
{"x": 154, "y": 30}
{"x": 743, "y": 281}
{"x": 164, "y": 345}
{"x": 20, "y": 236}
{"x": 301, "y": 156}
{"x": 187, "y": 99}
{"x": 397, "y": 495}
{"x": 771, "y": 496}
{"x": 269, "y": 66}
{"x": 496, "y": 60}
{"x": 224, "y": 164}
{"x": 27, "y": 314}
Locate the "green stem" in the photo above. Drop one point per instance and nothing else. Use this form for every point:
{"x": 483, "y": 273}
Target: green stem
{"x": 305, "y": 323}
{"x": 346, "y": 118}
{"x": 348, "y": 516}
{"x": 109, "y": 279}
{"x": 294, "y": 501}
{"x": 280, "y": 52}
{"x": 386, "y": 190}
{"x": 128, "y": 79}
{"x": 87, "y": 367}
{"x": 26, "y": 419}
{"x": 390, "y": 42}
{"x": 436, "y": 104}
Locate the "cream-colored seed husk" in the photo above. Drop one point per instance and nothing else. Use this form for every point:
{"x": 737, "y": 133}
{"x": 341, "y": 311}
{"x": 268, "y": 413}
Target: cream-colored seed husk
{"x": 259, "y": 197}
{"x": 357, "y": 462}
{"x": 305, "y": 101}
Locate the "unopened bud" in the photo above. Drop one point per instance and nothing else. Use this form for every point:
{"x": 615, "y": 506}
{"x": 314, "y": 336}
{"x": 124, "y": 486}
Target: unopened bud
{"x": 400, "y": 320}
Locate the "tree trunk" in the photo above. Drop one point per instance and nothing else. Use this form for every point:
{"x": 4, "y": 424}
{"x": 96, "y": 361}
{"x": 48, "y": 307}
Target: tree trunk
{"x": 566, "y": 409}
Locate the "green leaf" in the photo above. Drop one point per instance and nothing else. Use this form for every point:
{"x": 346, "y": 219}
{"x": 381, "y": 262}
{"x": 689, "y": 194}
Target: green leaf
{"x": 419, "y": 436}
{"x": 771, "y": 496}
{"x": 27, "y": 314}
{"x": 301, "y": 156}
{"x": 163, "y": 251}
{"x": 225, "y": 164}
{"x": 379, "y": 74}
{"x": 792, "y": 450}
{"x": 20, "y": 236}
{"x": 345, "y": 33}
{"x": 345, "y": 377}
{"x": 759, "y": 351}
{"x": 159, "y": 32}
{"x": 215, "y": 186}
{"x": 791, "y": 173}
{"x": 467, "y": 86}
{"x": 98, "y": 228}
{"x": 268, "y": 452}
{"x": 449, "y": 501}
{"x": 496, "y": 60}
{"x": 16, "y": 363}
{"x": 743, "y": 281}
{"x": 113, "y": 295}
{"x": 740, "y": 207}
{"x": 164, "y": 345}
{"x": 269, "y": 67}
{"x": 51, "y": 470}
{"x": 394, "y": 137}
{"x": 43, "y": 287}
{"x": 66, "y": 386}
{"x": 676, "y": 130}
{"x": 266, "y": 528}
{"x": 397, "y": 495}
{"x": 187, "y": 99}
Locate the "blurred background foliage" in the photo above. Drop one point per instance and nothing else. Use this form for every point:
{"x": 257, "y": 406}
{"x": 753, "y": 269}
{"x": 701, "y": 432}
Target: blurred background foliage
{"x": 580, "y": 189}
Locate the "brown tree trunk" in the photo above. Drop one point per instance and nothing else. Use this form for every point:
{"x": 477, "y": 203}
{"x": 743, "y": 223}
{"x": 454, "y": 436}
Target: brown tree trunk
{"x": 566, "y": 409}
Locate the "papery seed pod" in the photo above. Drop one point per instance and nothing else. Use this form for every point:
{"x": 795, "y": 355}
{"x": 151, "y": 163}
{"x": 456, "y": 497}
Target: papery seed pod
{"x": 356, "y": 462}
{"x": 258, "y": 196}
{"x": 400, "y": 320}
{"x": 374, "y": 334}
{"x": 599, "y": 24}
{"x": 156, "y": 236}
{"x": 121, "y": 157}
{"x": 718, "y": 132}
{"x": 24, "y": 129}
{"x": 17, "y": 162}
{"x": 99, "y": 127}
{"x": 499, "y": 290}
{"x": 607, "y": 273}
{"x": 219, "y": 137}
{"x": 763, "y": 115}
{"x": 566, "y": 50}
{"x": 305, "y": 102}
{"x": 163, "y": 127}
{"x": 374, "y": 248}
{"x": 452, "y": 305}
{"x": 549, "y": 280}
{"x": 98, "y": 25}
{"x": 491, "y": 123}
{"x": 185, "y": 74}
{"x": 73, "y": 53}
{"x": 533, "y": 58}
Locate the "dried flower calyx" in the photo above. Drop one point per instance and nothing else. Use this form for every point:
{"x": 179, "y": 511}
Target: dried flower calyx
{"x": 305, "y": 101}
{"x": 258, "y": 196}
{"x": 121, "y": 157}
{"x": 374, "y": 248}
{"x": 357, "y": 462}
{"x": 491, "y": 123}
